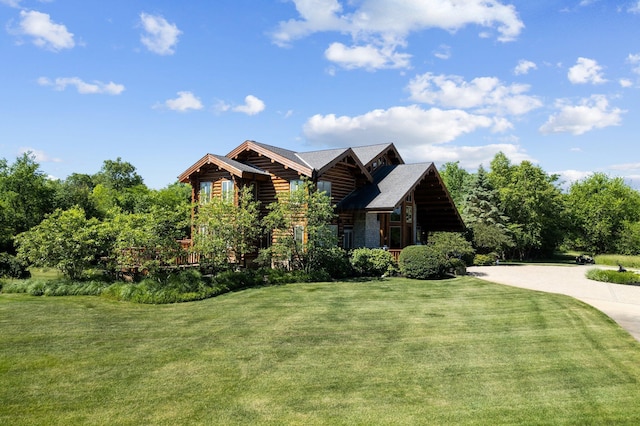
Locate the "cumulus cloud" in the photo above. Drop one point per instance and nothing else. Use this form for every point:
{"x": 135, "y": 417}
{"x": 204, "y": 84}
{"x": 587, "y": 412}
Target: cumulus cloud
{"x": 184, "y": 102}
{"x": 635, "y": 7}
{"x": 411, "y": 125}
{"x": 568, "y": 177}
{"x": 589, "y": 114}
{"x": 443, "y": 52}
{"x": 483, "y": 94}
{"x": 626, "y": 167}
{"x": 524, "y": 67}
{"x": 39, "y": 155}
{"x": 369, "y": 57}
{"x": 45, "y": 33}
{"x": 159, "y": 35}
{"x": 586, "y": 71}
{"x": 11, "y": 3}
{"x": 625, "y": 82}
{"x": 379, "y": 27}
{"x": 470, "y": 157}
{"x": 252, "y": 106}
{"x": 634, "y": 60}
{"x": 84, "y": 88}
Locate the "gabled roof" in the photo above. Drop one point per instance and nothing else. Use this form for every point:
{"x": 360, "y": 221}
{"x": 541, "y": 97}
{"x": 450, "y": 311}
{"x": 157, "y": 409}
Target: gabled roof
{"x": 390, "y": 186}
{"x": 232, "y": 166}
{"x": 368, "y": 153}
{"x": 310, "y": 163}
{"x": 323, "y": 160}
{"x": 393, "y": 183}
{"x": 283, "y": 156}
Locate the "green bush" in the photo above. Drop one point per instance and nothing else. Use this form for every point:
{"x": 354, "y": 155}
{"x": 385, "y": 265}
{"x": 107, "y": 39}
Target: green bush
{"x": 485, "y": 259}
{"x": 12, "y": 267}
{"x": 368, "y": 262}
{"x": 453, "y": 245}
{"x": 423, "y": 262}
{"x": 457, "y": 267}
{"x": 57, "y": 287}
{"x": 613, "y": 276}
{"x": 335, "y": 262}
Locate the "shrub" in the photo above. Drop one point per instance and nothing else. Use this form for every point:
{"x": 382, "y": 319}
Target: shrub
{"x": 12, "y": 267}
{"x": 368, "y": 262}
{"x": 453, "y": 245}
{"x": 613, "y": 276}
{"x": 485, "y": 259}
{"x": 423, "y": 262}
{"x": 56, "y": 287}
{"x": 457, "y": 267}
{"x": 335, "y": 262}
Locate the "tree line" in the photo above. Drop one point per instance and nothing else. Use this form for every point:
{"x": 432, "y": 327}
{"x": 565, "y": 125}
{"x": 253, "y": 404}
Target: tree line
{"x": 519, "y": 211}
{"x": 86, "y": 219}
{"x": 511, "y": 210}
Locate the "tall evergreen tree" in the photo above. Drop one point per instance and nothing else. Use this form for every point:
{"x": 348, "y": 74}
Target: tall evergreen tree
{"x": 484, "y": 217}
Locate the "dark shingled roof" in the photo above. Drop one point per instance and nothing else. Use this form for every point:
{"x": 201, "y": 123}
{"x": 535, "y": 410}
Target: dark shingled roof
{"x": 367, "y": 153}
{"x": 319, "y": 159}
{"x": 226, "y": 163}
{"x": 390, "y": 186}
{"x": 242, "y": 167}
{"x": 285, "y": 153}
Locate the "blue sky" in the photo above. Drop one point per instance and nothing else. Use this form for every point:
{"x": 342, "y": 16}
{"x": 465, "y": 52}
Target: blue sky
{"x": 161, "y": 83}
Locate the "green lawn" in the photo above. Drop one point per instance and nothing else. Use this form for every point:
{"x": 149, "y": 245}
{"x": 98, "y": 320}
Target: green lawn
{"x": 458, "y": 351}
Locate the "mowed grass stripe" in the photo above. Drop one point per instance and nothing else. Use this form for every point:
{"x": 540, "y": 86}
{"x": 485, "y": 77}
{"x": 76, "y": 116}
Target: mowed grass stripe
{"x": 396, "y": 351}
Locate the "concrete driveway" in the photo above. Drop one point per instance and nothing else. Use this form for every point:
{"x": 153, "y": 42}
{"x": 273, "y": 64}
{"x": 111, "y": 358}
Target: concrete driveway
{"x": 620, "y": 302}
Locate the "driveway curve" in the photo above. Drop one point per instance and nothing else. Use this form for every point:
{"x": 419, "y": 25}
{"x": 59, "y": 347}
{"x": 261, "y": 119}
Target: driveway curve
{"x": 620, "y": 302}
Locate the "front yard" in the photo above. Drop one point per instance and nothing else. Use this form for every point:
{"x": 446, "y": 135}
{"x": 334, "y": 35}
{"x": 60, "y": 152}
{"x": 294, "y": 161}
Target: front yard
{"x": 397, "y": 351}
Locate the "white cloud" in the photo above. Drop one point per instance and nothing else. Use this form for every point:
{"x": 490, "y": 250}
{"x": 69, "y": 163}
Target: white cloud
{"x": 369, "y": 57}
{"x": 626, "y": 167}
{"x": 635, "y": 7}
{"x": 11, "y": 3}
{"x": 443, "y": 52}
{"x": 184, "y": 102}
{"x": 84, "y": 88}
{"x": 568, "y": 177}
{"x": 160, "y": 36}
{"x": 591, "y": 113}
{"x": 625, "y": 82}
{"x": 252, "y": 106}
{"x": 382, "y": 25}
{"x": 46, "y": 34}
{"x": 470, "y": 157}
{"x": 483, "y": 94}
{"x": 524, "y": 67}
{"x": 586, "y": 71}
{"x": 634, "y": 59}
{"x": 39, "y": 156}
{"x": 409, "y": 125}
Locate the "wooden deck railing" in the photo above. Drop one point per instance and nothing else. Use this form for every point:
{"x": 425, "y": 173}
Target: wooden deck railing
{"x": 395, "y": 253}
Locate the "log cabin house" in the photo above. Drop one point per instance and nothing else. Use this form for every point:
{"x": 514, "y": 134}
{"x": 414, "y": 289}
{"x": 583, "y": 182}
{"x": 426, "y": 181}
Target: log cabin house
{"x": 380, "y": 201}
